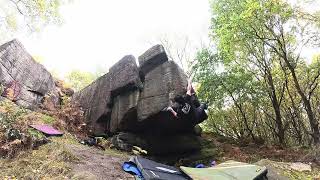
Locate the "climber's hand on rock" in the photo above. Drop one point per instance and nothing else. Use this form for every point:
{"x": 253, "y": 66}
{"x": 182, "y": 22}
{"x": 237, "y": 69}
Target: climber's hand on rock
{"x": 189, "y": 87}
{"x": 175, "y": 114}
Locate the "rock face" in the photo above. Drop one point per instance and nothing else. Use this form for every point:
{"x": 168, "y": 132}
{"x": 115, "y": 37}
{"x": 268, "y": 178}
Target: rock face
{"x": 131, "y": 99}
{"x": 24, "y": 81}
{"x": 152, "y": 58}
{"x": 112, "y": 96}
{"x": 161, "y": 84}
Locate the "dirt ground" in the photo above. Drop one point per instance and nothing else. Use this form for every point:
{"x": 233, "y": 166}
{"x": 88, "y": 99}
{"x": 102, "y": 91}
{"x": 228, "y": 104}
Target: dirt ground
{"x": 65, "y": 158}
{"x": 97, "y": 164}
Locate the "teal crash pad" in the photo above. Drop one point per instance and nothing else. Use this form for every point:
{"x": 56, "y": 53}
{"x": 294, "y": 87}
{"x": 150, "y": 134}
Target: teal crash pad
{"x": 229, "y": 170}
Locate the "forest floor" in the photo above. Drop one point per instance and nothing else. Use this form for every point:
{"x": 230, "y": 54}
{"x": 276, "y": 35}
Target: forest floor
{"x": 278, "y": 160}
{"x": 27, "y": 154}
{"x": 65, "y": 158}
{"x": 97, "y": 164}
{"x": 252, "y": 152}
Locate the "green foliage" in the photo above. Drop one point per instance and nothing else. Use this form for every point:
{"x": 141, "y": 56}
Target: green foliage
{"x": 48, "y": 119}
{"x": 35, "y": 133}
{"x": 78, "y": 79}
{"x": 255, "y": 79}
{"x": 31, "y": 15}
{"x": 51, "y": 161}
{"x": 9, "y": 113}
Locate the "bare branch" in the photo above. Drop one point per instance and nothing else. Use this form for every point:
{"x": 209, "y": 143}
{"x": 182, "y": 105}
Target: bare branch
{"x": 314, "y": 83}
{"x": 16, "y": 3}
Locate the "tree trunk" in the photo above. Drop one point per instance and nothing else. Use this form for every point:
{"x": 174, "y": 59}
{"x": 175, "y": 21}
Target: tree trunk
{"x": 243, "y": 114}
{"x": 313, "y": 122}
{"x": 296, "y": 118}
{"x": 276, "y": 108}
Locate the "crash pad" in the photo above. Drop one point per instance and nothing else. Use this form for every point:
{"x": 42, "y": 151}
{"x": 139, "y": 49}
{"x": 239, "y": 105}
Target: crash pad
{"x": 47, "y": 129}
{"x": 229, "y": 170}
{"x": 152, "y": 170}
{"x": 132, "y": 168}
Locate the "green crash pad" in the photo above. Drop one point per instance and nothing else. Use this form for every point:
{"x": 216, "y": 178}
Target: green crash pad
{"x": 229, "y": 170}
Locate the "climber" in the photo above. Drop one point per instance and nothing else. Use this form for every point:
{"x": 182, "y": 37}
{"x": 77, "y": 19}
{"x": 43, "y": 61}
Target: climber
{"x": 188, "y": 107}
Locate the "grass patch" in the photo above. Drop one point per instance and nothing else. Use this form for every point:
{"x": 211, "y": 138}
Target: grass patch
{"x": 67, "y": 138}
{"x": 115, "y": 152}
{"x": 10, "y": 113}
{"x": 50, "y": 161}
{"x": 48, "y": 119}
{"x": 35, "y": 133}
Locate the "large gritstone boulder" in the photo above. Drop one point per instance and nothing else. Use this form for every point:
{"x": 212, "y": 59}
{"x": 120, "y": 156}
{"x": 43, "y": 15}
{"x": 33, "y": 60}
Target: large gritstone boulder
{"x": 111, "y": 94}
{"x": 24, "y": 81}
{"x": 162, "y": 81}
{"x": 132, "y": 100}
{"x": 161, "y": 85}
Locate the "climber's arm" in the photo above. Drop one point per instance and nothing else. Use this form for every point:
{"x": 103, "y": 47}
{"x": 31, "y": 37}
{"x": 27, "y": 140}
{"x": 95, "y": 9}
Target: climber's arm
{"x": 172, "y": 111}
{"x": 189, "y": 88}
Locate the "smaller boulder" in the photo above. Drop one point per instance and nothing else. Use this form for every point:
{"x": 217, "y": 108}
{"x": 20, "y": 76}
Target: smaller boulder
{"x": 298, "y": 166}
{"x": 25, "y": 81}
{"x": 13, "y": 134}
{"x": 275, "y": 169}
{"x": 68, "y": 91}
{"x": 158, "y": 144}
{"x": 126, "y": 141}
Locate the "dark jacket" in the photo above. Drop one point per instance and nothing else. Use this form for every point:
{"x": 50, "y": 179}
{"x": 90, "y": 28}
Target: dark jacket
{"x": 189, "y": 108}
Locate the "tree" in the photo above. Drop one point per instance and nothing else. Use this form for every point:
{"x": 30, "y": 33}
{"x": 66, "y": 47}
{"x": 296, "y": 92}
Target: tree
{"x": 265, "y": 39}
{"x": 178, "y": 52}
{"x": 78, "y": 79}
{"x": 31, "y": 15}
{"x": 179, "y": 48}
{"x": 230, "y": 88}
